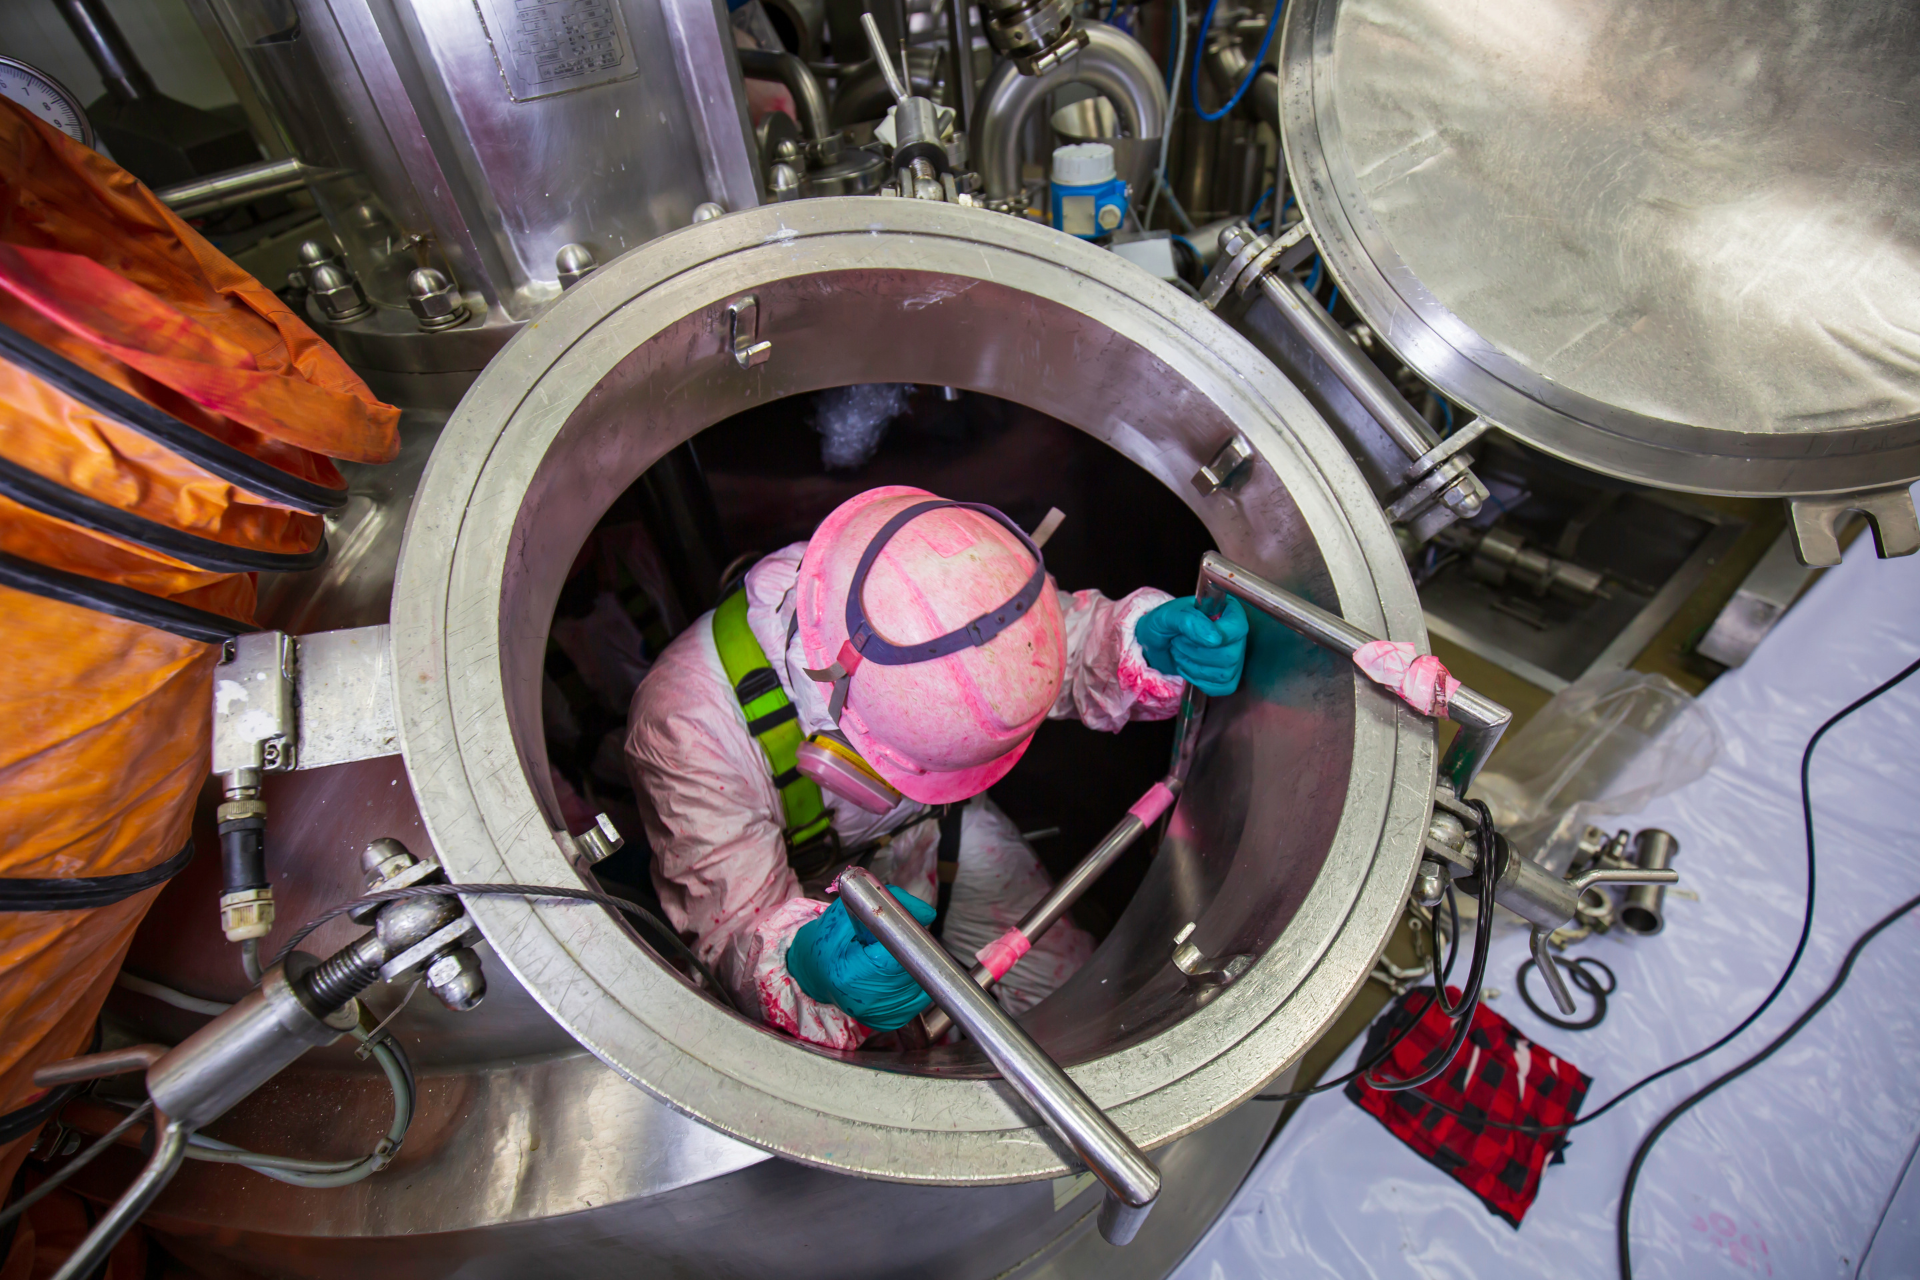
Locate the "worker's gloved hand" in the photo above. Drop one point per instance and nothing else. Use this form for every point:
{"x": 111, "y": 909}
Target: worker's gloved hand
{"x": 837, "y": 961}
{"x": 1180, "y": 640}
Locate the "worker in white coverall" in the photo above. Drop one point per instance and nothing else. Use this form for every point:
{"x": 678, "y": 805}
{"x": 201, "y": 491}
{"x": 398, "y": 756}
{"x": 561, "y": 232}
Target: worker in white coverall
{"x": 852, "y": 703}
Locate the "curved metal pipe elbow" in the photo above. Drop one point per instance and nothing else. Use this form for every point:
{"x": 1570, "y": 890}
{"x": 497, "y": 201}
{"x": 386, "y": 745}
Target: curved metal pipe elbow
{"x": 789, "y": 69}
{"x": 1113, "y": 63}
{"x": 1227, "y": 67}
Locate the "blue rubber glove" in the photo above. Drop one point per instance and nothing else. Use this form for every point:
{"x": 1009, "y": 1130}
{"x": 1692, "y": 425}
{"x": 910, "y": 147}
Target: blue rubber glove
{"x": 836, "y": 960}
{"x": 1179, "y": 640}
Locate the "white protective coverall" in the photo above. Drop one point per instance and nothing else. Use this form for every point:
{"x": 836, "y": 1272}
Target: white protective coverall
{"x": 715, "y": 821}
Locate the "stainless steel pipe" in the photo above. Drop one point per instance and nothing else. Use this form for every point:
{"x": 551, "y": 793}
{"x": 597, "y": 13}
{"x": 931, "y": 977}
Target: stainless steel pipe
{"x": 1113, "y": 63}
{"x": 1131, "y": 1179}
{"x": 1072, "y": 886}
{"x": 233, "y": 187}
{"x": 1644, "y": 909}
{"x": 1481, "y": 719}
{"x": 809, "y": 99}
{"x": 168, "y": 1152}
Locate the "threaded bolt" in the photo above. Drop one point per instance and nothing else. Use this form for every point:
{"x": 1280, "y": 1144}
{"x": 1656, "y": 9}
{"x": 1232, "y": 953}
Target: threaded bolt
{"x": 342, "y": 976}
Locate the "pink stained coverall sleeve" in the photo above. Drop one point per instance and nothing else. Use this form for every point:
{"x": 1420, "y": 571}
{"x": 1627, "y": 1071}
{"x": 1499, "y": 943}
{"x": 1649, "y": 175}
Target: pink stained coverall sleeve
{"x": 1108, "y": 681}
{"x": 714, "y": 818}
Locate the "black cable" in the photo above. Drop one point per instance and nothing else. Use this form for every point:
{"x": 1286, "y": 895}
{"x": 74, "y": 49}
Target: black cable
{"x": 1489, "y": 876}
{"x": 1622, "y": 1220}
{"x": 1666, "y": 1121}
{"x": 513, "y": 891}
{"x": 1453, "y": 932}
{"x": 74, "y": 1165}
{"x": 259, "y": 478}
{"x": 85, "y": 893}
{"x": 117, "y": 601}
{"x": 1806, "y": 929}
{"x": 51, "y": 498}
{"x": 1483, "y": 929}
{"x": 1806, "y": 926}
{"x": 1453, "y": 953}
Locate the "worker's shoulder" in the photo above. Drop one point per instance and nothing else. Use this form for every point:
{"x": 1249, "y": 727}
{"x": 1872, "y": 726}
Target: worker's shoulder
{"x": 689, "y": 668}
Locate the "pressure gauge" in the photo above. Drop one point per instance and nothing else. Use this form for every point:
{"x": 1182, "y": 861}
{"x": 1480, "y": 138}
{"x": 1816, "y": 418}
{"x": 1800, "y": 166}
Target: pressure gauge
{"x": 46, "y": 97}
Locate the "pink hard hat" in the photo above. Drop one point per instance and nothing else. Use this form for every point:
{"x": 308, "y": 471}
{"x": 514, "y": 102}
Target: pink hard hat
{"x": 940, "y": 631}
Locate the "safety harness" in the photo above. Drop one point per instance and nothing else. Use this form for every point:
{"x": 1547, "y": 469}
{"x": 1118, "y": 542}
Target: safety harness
{"x": 813, "y": 847}
{"x": 772, "y": 721}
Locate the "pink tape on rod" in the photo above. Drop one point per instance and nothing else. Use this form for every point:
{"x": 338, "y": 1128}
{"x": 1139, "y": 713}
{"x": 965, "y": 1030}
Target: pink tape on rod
{"x": 1150, "y": 806}
{"x": 1421, "y": 679}
{"x": 1003, "y": 953}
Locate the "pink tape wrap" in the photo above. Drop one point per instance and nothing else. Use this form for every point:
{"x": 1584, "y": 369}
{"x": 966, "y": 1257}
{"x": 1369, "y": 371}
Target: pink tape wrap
{"x": 1421, "y": 679}
{"x": 1003, "y": 953}
{"x": 1150, "y": 806}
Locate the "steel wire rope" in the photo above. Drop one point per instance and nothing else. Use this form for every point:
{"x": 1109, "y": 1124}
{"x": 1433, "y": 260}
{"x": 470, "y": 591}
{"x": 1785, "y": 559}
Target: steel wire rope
{"x": 295, "y": 1170}
{"x": 562, "y": 892}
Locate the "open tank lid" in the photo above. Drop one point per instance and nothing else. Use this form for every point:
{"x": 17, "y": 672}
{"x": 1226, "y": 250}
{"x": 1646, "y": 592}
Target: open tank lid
{"x": 1672, "y": 242}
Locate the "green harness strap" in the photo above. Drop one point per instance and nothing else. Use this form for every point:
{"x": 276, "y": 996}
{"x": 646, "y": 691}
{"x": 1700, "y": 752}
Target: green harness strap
{"x": 771, "y": 719}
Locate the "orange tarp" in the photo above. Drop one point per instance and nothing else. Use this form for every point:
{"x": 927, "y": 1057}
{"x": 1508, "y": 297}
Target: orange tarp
{"x": 105, "y": 743}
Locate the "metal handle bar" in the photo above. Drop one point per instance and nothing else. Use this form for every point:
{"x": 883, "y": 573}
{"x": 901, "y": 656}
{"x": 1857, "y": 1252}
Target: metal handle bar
{"x": 170, "y": 1148}
{"x": 1481, "y": 719}
{"x": 1624, "y": 875}
{"x": 1056, "y": 904}
{"x": 1131, "y": 1179}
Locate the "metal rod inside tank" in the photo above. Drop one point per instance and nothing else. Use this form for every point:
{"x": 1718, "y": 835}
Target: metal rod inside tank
{"x": 1131, "y": 1179}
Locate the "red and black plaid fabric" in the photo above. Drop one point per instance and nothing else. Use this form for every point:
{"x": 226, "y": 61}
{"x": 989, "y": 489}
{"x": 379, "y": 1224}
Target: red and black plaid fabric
{"x": 1499, "y": 1075}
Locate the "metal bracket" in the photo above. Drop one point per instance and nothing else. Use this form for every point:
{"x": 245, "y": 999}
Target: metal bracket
{"x": 1250, "y": 257}
{"x": 444, "y": 938}
{"x": 743, "y": 320}
{"x": 284, "y": 702}
{"x": 1460, "y": 439}
{"x": 600, "y": 841}
{"x": 1218, "y": 972}
{"x": 1229, "y": 469}
{"x": 254, "y": 725}
{"x": 1816, "y": 521}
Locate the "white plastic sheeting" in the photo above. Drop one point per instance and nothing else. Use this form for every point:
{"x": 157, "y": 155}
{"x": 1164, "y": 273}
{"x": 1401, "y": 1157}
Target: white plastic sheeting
{"x": 1789, "y": 1171}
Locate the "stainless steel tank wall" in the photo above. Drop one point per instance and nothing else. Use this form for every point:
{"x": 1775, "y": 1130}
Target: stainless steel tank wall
{"x": 483, "y": 137}
{"x": 1296, "y": 841}
{"x": 1302, "y": 831}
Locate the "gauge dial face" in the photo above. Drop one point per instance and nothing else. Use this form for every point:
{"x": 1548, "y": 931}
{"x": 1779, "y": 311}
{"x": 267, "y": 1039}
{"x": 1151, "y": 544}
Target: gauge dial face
{"x": 46, "y": 97}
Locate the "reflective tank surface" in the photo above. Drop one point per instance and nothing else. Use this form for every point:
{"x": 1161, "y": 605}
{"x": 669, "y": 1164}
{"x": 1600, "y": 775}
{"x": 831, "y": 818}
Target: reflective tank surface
{"x": 1671, "y": 241}
{"x": 1301, "y": 827}
{"x": 1295, "y": 841}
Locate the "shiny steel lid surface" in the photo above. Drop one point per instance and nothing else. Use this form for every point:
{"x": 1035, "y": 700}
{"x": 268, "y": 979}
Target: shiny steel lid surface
{"x": 1676, "y": 241}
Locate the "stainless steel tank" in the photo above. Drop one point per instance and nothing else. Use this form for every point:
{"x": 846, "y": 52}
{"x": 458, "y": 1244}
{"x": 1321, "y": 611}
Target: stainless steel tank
{"x": 1294, "y": 843}
{"x": 481, "y": 139}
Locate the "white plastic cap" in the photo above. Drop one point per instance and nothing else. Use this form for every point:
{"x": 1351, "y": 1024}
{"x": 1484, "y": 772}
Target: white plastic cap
{"x": 1083, "y": 164}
